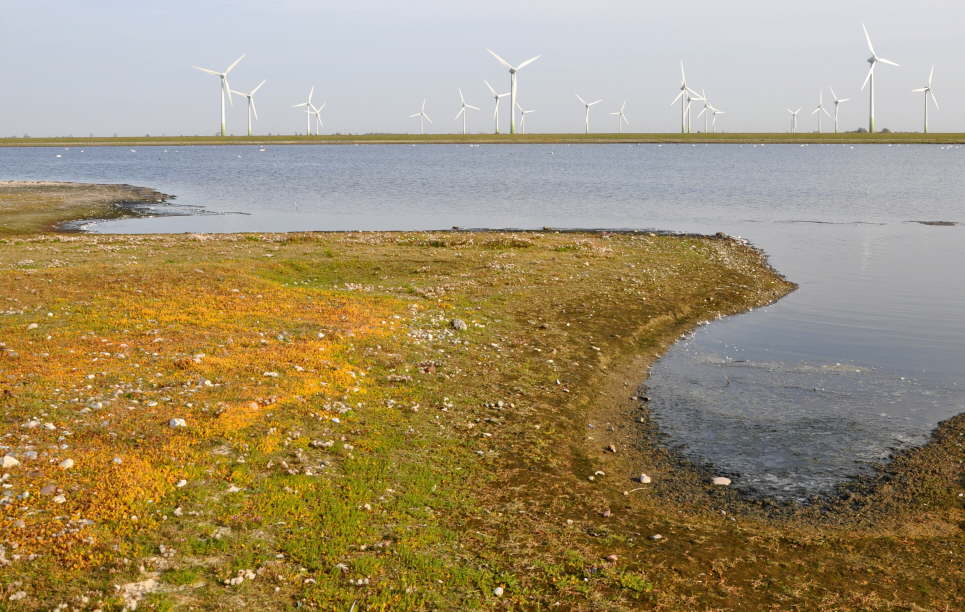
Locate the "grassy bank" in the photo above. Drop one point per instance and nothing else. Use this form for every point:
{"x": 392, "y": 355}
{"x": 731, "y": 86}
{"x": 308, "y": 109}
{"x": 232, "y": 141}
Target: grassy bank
{"x": 406, "y": 421}
{"x": 351, "y": 139}
{"x": 29, "y": 207}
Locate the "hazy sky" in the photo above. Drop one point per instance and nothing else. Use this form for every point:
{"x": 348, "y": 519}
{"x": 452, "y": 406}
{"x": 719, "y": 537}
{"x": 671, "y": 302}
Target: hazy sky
{"x": 124, "y": 67}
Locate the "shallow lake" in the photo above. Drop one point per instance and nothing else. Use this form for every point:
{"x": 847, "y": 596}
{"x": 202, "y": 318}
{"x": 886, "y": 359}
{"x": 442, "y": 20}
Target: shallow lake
{"x": 865, "y": 358}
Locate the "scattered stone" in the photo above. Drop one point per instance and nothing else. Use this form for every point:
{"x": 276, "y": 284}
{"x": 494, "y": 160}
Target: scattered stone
{"x": 32, "y": 326}
{"x": 606, "y": 513}
{"x": 117, "y": 461}
{"x": 66, "y": 464}
{"x": 459, "y": 325}
{"x": 177, "y": 423}
{"x": 9, "y": 461}
{"x": 656, "y": 537}
{"x": 59, "y": 499}
{"x": 498, "y": 591}
{"x": 234, "y": 489}
{"x": 611, "y": 448}
{"x": 643, "y": 479}
{"x": 17, "y": 596}
{"x": 181, "y": 483}
{"x": 612, "y": 558}
{"x": 720, "y": 481}
{"x": 48, "y": 489}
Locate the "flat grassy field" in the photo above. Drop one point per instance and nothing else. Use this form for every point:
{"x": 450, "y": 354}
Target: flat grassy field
{"x": 738, "y": 138}
{"x": 406, "y": 421}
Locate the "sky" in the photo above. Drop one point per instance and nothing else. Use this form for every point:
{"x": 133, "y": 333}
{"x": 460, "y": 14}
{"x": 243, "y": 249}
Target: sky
{"x": 107, "y": 67}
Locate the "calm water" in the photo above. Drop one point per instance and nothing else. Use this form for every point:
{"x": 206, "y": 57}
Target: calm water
{"x": 866, "y": 357}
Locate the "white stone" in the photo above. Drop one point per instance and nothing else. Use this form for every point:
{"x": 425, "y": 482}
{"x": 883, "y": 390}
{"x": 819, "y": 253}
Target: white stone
{"x": 59, "y": 499}
{"x": 181, "y": 483}
{"x": 644, "y": 479}
{"x": 498, "y": 591}
{"x": 66, "y": 464}
{"x": 177, "y": 423}
{"x": 720, "y": 481}
{"x": 9, "y": 462}
{"x": 32, "y": 326}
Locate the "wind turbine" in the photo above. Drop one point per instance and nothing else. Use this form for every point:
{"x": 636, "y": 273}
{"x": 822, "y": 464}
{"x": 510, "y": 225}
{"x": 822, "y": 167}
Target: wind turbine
{"x": 423, "y": 117}
{"x": 713, "y": 121}
{"x": 225, "y": 88}
{"x": 250, "y": 96}
{"x": 691, "y": 98}
{"x": 820, "y": 109}
{"x": 926, "y": 90}
{"x": 497, "y": 97}
{"x": 587, "y": 105}
{"x": 307, "y": 104}
{"x": 794, "y": 119}
{"x": 685, "y": 92}
{"x": 621, "y": 117}
{"x": 837, "y": 101}
{"x": 464, "y": 113}
{"x": 512, "y": 84}
{"x": 522, "y": 118}
{"x": 705, "y": 111}
{"x": 317, "y": 113}
{"x": 873, "y": 60}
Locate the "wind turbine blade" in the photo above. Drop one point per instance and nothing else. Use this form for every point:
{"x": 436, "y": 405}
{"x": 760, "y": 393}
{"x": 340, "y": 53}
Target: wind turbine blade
{"x": 833, "y": 96}
{"x": 826, "y": 112}
{"x": 491, "y": 90}
{"x": 414, "y": 115}
{"x": 208, "y": 70}
{"x": 256, "y": 88}
{"x": 843, "y": 100}
{"x": 623, "y": 106}
{"x": 694, "y": 94}
{"x": 239, "y": 93}
{"x": 867, "y": 37}
{"x": 311, "y": 92}
{"x": 322, "y": 107}
{"x": 461, "y": 111}
{"x": 501, "y": 60}
{"x": 582, "y": 101}
{"x": 427, "y": 117}
{"x": 423, "y": 105}
{"x": 528, "y": 62}
{"x": 888, "y": 61}
{"x": 816, "y": 110}
{"x": 461, "y": 98}
{"x": 702, "y": 111}
{"x": 931, "y": 75}
{"x": 254, "y": 109}
{"x": 919, "y": 90}
{"x": 596, "y": 101}
{"x": 677, "y": 98}
{"x": 614, "y": 114}
{"x": 227, "y": 89}
{"x": 933, "y": 98}
{"x": 683, "y": 77}
{"x": 867, "y": 78}
{"x": 470, "y": 106}
{"x": 234, "y": 63}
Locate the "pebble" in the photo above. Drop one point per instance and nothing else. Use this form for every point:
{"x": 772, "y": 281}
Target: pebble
{"x": 59, "y": 499}
{"x": 66, "y": 464}
{"x": 32, "y": 326}
{"x": 720, "y": 481}
{"x": 498, "y": 591}
{"x": 181, "y": 483}
{"x": 643, "y": 479}
{"x": 656, "y": 537}
{"x": 117, "y": 461}
{"x": 610, "y": 448}
{"x": 459, "y": 324}
{"x": 177, "y": 423}
{"x": 9, "y": 461}
{"x": 612, "y": 558}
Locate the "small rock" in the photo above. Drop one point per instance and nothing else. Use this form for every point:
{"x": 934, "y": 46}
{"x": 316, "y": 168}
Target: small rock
{"x": 9, "y": 461}
{"x": 498, "y": 591}
{"x": 643, "y": 479}
{"x": 32, "y": 326}
{"x": 181, "y": 483}
{"x": 48, "y": 489}
{"x": 656, "y": 537}
{"x": 612, "y": 558}
{"x": 177, "y": 423}
{"x": 59, "y": 499}
{"x": 117, "y": 461}
{"x": 233, "y": 489}
{"x": 606, "y": 513}
{"x": 459, "y": 325}
{"x": 720, "y": 481}
{"x": 66, "y": 464}
{"x": 611, "y": 448}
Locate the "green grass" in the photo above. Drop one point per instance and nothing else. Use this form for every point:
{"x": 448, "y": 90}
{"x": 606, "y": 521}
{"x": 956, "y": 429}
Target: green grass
{"x": 743, "y": 138}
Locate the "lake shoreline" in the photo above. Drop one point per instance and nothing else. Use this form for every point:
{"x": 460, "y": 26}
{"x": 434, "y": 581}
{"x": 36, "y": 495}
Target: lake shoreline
{"x": 498, "y": 372}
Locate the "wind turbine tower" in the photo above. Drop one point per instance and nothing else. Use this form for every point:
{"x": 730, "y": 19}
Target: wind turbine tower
{"x": 225, "y": 88}
{"x": 513, "y": 70}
